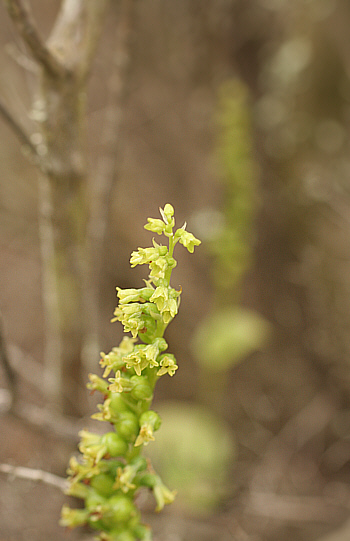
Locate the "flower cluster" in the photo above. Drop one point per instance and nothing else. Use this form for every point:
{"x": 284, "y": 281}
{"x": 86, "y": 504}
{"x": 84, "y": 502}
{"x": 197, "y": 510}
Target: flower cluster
{"x": 110, "y": 469}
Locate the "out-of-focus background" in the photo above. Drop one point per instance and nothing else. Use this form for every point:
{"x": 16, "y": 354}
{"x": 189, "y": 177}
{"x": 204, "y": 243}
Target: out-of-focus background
{"x": 237, "y": 112}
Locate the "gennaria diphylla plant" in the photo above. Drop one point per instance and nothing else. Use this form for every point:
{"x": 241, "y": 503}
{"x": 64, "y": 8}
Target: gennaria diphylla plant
{"x": 111, "y": 469}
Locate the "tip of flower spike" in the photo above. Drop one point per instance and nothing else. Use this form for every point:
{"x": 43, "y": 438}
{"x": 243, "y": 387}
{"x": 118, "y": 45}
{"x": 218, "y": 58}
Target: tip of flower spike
{"x": 167, "y": 213}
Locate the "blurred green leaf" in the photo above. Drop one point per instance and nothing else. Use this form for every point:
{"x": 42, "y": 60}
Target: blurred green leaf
{"x": 227, "y": 336}
{"x": 193, "y": 452}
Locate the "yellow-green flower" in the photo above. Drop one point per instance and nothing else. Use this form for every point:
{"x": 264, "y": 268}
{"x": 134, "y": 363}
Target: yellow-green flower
{"x": 163, "y": 495}
{"x": 188, "y": 240}
{"x": 165, "y": 299}
{"x": 71, "y": 518}
{"x": 155, "y": 225}
{"x": 168, "y": 365}
{"x": 134, "y": 295}
{"x": 119, "y": 383}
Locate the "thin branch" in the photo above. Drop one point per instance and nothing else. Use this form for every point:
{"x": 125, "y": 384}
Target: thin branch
{"x": 76, "y": 31}
{"x": 46, "y": 422}
{"x": 26, "y": 366}
{"x": 95, "y": 14}
{"x": 17, "y": 129}
{"x": 21, "y": 59}
{"x": 10, "y": 373}
{"x": 35, "y": 475}
{"x": 21, "y": 15}
{"x": 310, "y": 421}
{"x": 296, "y": 508}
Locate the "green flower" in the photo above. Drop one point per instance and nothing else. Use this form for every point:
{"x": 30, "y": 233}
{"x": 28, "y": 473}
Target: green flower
{"x": 81, "y": 470}
{"x": 155, "y": 225}
{"x": 90, "y": 446}
{"x": 158, "y": 267}
{"x": 136, "y": 360}
{"x": 146, "y": 255}
{"x": 149, "y": 423}
{"x": 145, "y": 355}
{"x": 114, "y": 360}
{"x": 71, "y": 518}
{"x": 167, "y": 214}
{"x": 97, "y": 384}
{"x": 163, "y": 495}
{"x": 188, "y": 240}
{"x": 95, "y": 447}
{"x": 134, "y": 295}
{"x": 130, "y": 315}
{"x": 145, "y": 435}
{"x": 165, "y": 299}
{"x": 168, "y": 365}
{"x": 110, "y": 470}
{"x": 119, "y": 384}
{"x": 126, "y": 475}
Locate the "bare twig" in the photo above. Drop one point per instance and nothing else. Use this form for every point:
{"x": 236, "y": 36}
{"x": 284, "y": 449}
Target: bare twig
{"x": 21, "y": 15}
{"x": 296, "y": 508}
{"x": 35, "y": 475}
{"x": 21, "y": 59}
{"x": 10, "y": 373}
{"x": 18, "y": 130}
{"x": 310, "y": 421}
{"x": 75, "y": 33}
{"x": 26, "y": 366}
{"x": 95, "y": 12}
{"x": 47, "y": 422}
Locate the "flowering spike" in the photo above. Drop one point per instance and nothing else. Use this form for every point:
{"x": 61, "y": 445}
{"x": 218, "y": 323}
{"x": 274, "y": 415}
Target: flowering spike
{"x": 110, "y": 470}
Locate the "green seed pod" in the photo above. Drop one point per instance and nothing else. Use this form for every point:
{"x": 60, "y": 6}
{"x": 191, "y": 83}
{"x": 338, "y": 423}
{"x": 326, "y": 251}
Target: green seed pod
{"x": 127, "y": 426}
{"x": 142, "y": 532}
{"x": 103, "y": 484}
{"x": 94, "y": 500}
{"x": 142, "y": 389}
{"x": 117, "y": 404}
{"x": 147, "y": 479}
{"x": 147, "y": 333}
{"x": 120, "y": 510}
{"x": 116, "y": 446}
{"x": 139, "y": 462}
{"x": 121, "y": 535}
{"x": 152, "y": 418}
